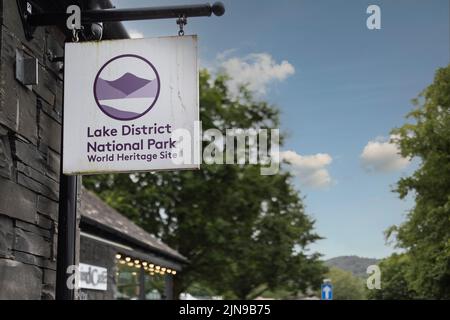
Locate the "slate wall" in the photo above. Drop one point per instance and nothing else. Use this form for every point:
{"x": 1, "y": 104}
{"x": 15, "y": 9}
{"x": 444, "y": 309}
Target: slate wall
{"x": 30, "y": 126}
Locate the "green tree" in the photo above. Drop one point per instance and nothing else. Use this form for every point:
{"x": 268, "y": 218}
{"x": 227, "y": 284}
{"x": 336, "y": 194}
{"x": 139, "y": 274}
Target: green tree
{"x": 345, "y": 285}
{"x": 394, "y": 283}
{"x": 426, "y": 232}
{"x": 243, "y": 233}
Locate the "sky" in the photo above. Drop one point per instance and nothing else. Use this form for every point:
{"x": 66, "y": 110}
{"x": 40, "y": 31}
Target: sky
{"x": 341, "y": 89}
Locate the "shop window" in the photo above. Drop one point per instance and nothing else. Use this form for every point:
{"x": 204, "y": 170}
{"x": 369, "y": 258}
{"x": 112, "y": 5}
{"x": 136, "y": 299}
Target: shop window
{"x": 154, "y": 287}
{"x": 127, "y": 282}
{"x": 128, "y": 278}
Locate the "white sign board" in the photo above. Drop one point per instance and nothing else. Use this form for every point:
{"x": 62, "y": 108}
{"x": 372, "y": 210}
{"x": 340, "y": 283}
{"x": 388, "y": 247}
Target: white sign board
{"x": 123, "y": 100}
{"x": 93, "y": 277}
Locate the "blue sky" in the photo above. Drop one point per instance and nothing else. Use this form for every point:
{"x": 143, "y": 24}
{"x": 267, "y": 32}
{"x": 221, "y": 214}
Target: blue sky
{"x": 341, "y": 88}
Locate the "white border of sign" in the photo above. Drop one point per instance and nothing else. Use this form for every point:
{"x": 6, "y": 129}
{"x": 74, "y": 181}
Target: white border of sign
{"x": 88, "y": 143}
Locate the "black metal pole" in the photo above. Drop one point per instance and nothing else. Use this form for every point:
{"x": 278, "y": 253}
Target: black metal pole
{"x": 67, "y": 226}
{"x": 148, "y": 13}
{"x": 168, "y": 287}
{"x": 67, "y": 229}
{"x": 141, "y": 283}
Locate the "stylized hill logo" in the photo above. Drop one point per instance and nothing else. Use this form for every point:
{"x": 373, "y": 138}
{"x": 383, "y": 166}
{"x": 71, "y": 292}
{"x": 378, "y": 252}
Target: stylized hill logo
{"x": 126, "y": 95}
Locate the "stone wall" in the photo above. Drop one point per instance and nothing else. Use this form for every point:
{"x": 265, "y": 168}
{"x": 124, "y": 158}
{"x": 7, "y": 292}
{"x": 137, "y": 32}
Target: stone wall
{"x": 30, "y": 131}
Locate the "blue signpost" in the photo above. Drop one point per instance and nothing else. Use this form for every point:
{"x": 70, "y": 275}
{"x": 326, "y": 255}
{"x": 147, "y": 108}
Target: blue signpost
{"x": 327, "y": 291}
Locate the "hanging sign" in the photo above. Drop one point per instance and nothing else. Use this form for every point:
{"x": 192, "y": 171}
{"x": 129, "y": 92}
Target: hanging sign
{"x": 123, "y": 102}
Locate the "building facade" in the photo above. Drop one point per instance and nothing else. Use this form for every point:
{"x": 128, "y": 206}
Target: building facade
{"x": 135, "y": 264}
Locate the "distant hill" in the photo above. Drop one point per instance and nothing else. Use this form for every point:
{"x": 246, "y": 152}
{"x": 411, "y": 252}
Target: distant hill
{"x": 354, "y": 264}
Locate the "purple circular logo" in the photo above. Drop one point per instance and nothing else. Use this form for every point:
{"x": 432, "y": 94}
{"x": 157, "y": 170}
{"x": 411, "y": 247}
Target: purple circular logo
{"x": 126, "y": 87}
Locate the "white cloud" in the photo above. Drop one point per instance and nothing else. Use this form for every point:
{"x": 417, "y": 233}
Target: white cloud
{"x": 225, "y": 54}
{"x": 311, "y": 169}
{"x": 383, "y": 155}
{"x": 257, "y": 70}
{"x": 135, "y": 34}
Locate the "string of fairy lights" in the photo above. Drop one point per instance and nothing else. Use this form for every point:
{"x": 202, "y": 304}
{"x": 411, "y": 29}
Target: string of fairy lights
{"x": 149, "y": 267}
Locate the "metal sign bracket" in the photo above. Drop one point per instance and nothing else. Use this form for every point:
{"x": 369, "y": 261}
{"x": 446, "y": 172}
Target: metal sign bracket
{"x": 26, "y": 8}
{"x": 32, "y": 17}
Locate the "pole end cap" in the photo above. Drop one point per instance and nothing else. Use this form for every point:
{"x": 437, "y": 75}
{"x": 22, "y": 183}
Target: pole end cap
{"x": 218, "y": 9}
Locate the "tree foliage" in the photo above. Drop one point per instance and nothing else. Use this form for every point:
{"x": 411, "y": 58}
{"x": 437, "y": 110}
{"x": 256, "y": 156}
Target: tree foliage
{"x": 242, "y": 232}
{"x": 345, "y": 285}
{"x": 394, "y": 279}
{"x": 425, "y": 235}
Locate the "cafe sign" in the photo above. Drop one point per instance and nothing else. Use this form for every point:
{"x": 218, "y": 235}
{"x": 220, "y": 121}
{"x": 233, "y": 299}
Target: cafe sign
{"x": 123, "y": 102}
{"x": 93, "y": 277}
